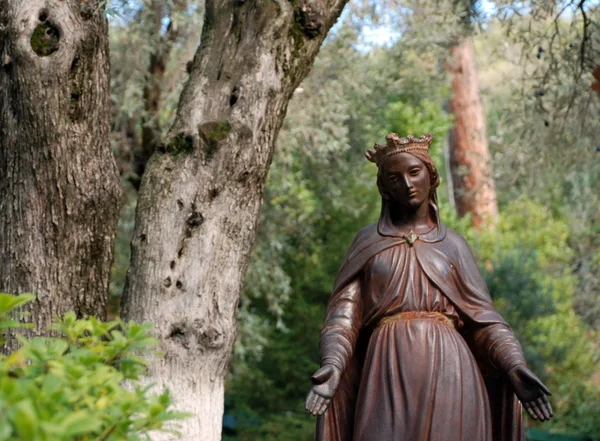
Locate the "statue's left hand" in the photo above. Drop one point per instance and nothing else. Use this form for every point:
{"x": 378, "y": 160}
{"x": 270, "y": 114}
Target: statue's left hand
{"x": 324, "y": 384}
{"x": 531, "y": 392}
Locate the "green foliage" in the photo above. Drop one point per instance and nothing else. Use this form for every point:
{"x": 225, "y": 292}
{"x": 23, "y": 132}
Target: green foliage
{"x": 543, "y": 131}
{"x": 8, "y": 304}
{"x": 71, "y": 388}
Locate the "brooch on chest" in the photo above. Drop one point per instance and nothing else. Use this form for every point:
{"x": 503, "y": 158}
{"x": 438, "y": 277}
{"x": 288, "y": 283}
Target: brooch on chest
{"x": 411, "y": 237}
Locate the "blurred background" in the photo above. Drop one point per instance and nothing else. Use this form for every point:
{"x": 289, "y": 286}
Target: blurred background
{"x": 413, "y": 66}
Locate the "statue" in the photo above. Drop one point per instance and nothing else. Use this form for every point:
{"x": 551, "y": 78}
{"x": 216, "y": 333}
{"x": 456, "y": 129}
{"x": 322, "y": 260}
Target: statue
{"x": 412, "y": 348}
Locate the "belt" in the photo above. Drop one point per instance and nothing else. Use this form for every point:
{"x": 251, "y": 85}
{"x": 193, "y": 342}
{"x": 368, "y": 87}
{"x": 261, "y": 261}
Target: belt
{"x": 416, "y": 315}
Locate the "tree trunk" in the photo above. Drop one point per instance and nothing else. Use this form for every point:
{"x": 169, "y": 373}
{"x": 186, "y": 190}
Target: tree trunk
{"x": 58, "y": 179}
{"x": 153, "y": 89}
{"x": 470, "y": 165}
{"x": 201, "y": 193}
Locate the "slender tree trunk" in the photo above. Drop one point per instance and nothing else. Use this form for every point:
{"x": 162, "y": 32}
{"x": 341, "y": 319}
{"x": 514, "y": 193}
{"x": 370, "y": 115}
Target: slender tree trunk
{"x": 59, "y": 188}
{"x": 153, "y": 89}
{"x": 201, "y": 193}
{"x": 470, "y": 165}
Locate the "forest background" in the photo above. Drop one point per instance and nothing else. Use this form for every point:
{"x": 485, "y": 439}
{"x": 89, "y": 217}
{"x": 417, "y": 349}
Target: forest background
{"x": 383, "y": 68}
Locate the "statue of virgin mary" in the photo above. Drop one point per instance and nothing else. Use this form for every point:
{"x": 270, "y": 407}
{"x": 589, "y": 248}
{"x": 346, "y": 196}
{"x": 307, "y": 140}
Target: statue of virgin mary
{"x": 412, "y": 348}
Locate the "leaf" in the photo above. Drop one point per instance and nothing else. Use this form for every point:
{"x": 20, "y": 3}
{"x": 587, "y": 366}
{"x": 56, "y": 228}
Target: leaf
{"x": 8, "y": 302}
{"x": 5, "y": 429}
{"x": 25, "y": 420}
{"x": 80, "y": 423}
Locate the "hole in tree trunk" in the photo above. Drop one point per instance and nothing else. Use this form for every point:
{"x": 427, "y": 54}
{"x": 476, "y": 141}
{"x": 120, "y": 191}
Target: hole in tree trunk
{"x": 74, "y": 66}
{"x": 213, "y": 193}
{"x": 195, "y": 219}
{"x": 234, "y": 96}
{"x": 43, "y": 15}
{"x": 45, "y": 39}
{"x": 177, "y": 334}
{"x": 75, "y": 83}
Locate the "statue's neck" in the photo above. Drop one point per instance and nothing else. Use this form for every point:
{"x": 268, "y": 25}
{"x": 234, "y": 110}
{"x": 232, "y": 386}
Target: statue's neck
{"x": 407, "y": 218}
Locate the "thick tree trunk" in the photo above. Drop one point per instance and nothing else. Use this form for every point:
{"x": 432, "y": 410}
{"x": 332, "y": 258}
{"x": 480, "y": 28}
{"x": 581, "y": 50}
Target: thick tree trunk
{"x": 470, "y": 165}
{"x": 201, "y": 193}
{"x": 58, "y": 179}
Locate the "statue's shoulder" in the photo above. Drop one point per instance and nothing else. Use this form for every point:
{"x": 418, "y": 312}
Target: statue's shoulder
{"x": 368, "y": 230}
{"x": 455, "y": 237}
{"x": 365, "y": 235}
{"x": 456, "y": 243}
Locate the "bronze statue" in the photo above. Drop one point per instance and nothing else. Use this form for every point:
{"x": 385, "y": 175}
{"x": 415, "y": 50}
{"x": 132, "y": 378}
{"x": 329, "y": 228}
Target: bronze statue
{"x": 412, "y": 348}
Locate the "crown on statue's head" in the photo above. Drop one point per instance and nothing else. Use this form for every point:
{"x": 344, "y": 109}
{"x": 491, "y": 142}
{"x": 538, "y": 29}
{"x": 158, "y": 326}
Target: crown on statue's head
{"x": 395, "y": 144}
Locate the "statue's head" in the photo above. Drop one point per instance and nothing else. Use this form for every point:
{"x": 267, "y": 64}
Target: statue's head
{"x": 406, "y": 174}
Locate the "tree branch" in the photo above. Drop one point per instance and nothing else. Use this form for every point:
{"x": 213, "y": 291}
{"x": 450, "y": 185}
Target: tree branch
{"x": 586, "y": 24}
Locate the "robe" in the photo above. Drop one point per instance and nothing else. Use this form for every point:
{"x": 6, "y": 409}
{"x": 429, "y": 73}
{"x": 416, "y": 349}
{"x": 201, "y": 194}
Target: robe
{"x": 409, "y": 380}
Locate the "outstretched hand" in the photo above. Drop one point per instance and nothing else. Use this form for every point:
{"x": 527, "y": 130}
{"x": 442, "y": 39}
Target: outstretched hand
{"x": 531, "y": 392}
{"x": 325, "y": 382}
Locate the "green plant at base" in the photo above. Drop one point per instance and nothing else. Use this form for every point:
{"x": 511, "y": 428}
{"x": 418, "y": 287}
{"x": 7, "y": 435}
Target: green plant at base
{"x": 72, "y": 387}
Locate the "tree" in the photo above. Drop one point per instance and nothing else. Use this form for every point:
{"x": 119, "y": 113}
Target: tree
{"x": 201, "y": 192}
{"x": 470, "y": 163}
{"x": 59, "y": 183}
{"x": 150, "y": 43}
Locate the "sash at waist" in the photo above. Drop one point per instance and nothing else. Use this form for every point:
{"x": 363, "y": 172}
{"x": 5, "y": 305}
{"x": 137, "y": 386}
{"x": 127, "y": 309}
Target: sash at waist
{"x": 416, "y": 315}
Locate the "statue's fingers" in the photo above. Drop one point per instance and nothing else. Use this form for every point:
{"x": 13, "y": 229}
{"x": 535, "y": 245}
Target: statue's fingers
{"x": 324, "y": 407}
{"x": 530, "y": 411}
{"x": 315, "y": 405}
{"x": 549, "y": 406}
{"x": 310, "y": 401}
{"x": 318, "y": 405}
{"x": 544, "y": 405}
{"x": 537, "y": 411}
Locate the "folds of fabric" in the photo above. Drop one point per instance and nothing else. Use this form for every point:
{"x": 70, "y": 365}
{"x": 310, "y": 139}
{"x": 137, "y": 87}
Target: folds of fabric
{"x": 446, "y": 261}
{"x": 420, "y": 383}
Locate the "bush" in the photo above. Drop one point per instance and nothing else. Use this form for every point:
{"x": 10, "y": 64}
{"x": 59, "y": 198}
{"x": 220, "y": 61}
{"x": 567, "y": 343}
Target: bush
{"x": 81, "y": 385}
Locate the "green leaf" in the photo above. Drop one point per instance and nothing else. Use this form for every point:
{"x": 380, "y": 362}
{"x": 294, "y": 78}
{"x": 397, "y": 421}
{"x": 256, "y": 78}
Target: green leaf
{"x": 80, "y": 423}
{"x": 8, "y": 302}
{"x": 5, "y": 429}
{"x": 25, "y": 420}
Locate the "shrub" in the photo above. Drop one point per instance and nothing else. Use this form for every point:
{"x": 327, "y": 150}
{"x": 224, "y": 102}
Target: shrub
{"x": 81, "y": 385}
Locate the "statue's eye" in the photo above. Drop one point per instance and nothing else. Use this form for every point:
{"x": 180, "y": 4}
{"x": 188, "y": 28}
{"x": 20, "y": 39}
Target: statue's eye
{"x": 415, "y": 171}
{"x": 393, "y": 178}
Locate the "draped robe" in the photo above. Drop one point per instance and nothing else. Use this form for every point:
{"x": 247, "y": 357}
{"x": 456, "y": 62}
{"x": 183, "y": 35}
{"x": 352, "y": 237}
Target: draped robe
{"x": 446, "y": 265}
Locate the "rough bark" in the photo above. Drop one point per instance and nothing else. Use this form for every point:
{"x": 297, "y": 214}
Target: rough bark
{"x": 470, "y": 165}
{"x": 201, "y": 193}
{"x": 58, "y": 179}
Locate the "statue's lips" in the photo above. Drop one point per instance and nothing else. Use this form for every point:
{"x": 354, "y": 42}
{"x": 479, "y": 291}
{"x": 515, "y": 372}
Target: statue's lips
{"x": 412, "y": 194}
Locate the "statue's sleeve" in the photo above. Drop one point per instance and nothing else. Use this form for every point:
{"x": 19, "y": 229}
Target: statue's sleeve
{"x": 343, "y": 322}
{"x": 496, "y": 342}
{"x": 499, "y": 345}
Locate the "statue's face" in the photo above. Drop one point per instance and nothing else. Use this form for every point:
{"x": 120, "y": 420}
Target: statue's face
{"x": 405, "y": 180}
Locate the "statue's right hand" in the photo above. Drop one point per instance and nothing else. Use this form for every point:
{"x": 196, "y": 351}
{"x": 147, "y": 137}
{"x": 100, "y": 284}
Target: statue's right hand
{"x": 325, "y": 382}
